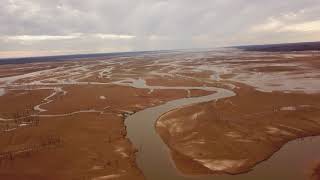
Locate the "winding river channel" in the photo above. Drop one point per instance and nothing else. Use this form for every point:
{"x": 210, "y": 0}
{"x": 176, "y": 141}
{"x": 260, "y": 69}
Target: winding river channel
{"x": 293, "y": 161}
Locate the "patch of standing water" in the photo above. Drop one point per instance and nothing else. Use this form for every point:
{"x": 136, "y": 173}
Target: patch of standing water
{"x": 306, "y": 82}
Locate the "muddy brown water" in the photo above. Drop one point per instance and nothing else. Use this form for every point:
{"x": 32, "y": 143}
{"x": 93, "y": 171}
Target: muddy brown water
{"x": 294, "y": 161}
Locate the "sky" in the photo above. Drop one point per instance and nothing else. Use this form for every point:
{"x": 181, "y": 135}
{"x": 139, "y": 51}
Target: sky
{"x": 47, "y": 27}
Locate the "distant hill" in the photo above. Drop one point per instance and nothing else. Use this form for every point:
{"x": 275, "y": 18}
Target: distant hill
{"x": 303, "y": 46}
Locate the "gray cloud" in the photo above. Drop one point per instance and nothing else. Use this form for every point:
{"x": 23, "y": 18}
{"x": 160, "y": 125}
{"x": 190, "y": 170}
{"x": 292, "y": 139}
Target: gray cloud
{"x": 68, "y": 26}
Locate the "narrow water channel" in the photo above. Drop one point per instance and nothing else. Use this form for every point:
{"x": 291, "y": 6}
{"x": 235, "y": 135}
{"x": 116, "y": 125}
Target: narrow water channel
{"x": 293, "y": 161}
{"x": 153, "y": 157}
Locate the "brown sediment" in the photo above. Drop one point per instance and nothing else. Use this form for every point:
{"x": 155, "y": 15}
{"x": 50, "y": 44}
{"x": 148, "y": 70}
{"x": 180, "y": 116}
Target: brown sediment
{"x": 173, "y": 81}
{"x": 274, "y": 68}
{"x": 95, "y": 78}
{"x": 88, "y": 119}
{"x": 187, "y": 166}
{"x": 87, "y": 116}
{"x": 234, "y": 134}
{"x": 16, "y": 101}
{"x": 14, "y": 69}
{"x": 199, "y": 92}
{"x": 204, "y": 74}
{"x": 315, "y": 174}
{"x": 93, "y": 144}
{"x": 115, "y": 99}
{"x": 227, "y": 76}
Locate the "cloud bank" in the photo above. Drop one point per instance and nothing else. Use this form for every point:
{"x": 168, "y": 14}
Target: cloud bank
{"x": 46, "y": 27}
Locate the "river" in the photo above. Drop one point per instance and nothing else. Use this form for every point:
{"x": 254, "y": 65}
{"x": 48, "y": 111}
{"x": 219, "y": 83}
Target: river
{"x": 293, "y": 161}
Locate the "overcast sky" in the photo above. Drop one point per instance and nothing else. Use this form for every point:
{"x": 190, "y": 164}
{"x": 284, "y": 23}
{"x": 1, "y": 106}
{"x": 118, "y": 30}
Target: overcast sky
{"x": 47, "y": 27}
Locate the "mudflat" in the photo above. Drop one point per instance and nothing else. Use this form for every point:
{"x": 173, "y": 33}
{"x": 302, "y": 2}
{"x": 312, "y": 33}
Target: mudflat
{"x": 66, "y": 120}
{"x": 234, "y": 134}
